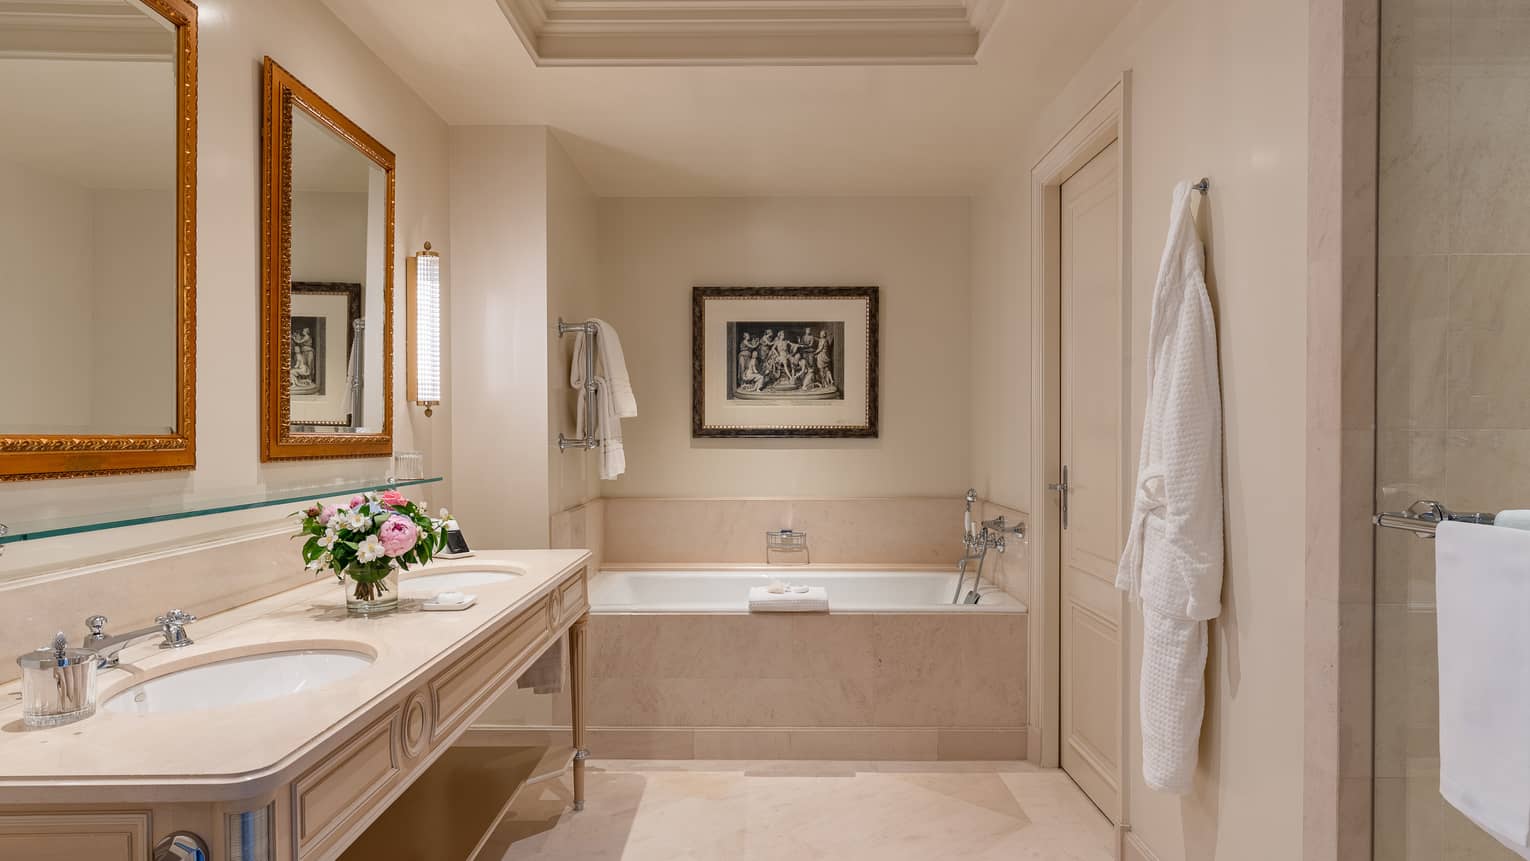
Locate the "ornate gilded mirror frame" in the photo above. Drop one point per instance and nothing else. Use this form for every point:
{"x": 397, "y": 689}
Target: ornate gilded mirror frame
{"x": 283, "y": 95}
{"x": 75, "y": 455}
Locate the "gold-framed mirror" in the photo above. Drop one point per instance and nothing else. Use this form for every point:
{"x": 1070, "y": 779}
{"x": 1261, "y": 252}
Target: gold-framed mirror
{"x": 327, "y": 279}
{"x": 98, "y": 206}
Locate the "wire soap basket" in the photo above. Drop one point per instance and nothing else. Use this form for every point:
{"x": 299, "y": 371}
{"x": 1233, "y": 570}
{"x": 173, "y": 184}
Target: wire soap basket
{"x": 786, "y": 547}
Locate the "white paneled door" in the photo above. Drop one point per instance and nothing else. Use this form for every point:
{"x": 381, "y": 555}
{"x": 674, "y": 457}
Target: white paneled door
{"x": 1092, "y": 484}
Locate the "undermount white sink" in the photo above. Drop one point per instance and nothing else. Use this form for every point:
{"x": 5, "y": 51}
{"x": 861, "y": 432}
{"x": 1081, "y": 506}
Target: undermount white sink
{"x": 239, "y": 681}
{"x": 452, "y": 580}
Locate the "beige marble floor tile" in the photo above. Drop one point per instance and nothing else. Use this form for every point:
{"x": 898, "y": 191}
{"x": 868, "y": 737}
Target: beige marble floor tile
{"x": 798, "y": 811}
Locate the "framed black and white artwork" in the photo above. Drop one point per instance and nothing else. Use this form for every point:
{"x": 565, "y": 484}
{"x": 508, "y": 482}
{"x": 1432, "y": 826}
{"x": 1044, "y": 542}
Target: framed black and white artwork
{"x": 323, "y": 318}
{"x": 784, "y": 362}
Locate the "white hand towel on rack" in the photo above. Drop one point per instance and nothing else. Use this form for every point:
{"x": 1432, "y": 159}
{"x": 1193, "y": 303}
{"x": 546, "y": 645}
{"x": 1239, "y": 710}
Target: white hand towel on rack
{"x": 608, "y": 428}
{"x": 1482, "y": 586}
{"x": 612, "y": 366}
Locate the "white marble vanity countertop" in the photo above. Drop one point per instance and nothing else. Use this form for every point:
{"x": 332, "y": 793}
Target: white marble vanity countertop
{"x": 237, "y": 751}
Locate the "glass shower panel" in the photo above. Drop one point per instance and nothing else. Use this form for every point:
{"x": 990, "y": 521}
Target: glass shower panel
{"x": 1453, "y": 360}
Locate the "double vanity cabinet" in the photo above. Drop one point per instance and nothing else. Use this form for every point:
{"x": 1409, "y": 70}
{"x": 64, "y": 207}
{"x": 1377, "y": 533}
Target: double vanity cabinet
{"x": 302, "y": 773}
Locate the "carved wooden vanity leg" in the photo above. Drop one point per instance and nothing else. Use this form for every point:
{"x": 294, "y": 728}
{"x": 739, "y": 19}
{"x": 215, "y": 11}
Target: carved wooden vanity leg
{"x": 576, "y": 662}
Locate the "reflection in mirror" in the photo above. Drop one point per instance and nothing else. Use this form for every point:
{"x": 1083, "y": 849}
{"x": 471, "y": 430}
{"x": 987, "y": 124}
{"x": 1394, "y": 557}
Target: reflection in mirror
{"x": 327, "y": 198}
{"x": 88, "y": 219}
{"x": 338, "y": 226}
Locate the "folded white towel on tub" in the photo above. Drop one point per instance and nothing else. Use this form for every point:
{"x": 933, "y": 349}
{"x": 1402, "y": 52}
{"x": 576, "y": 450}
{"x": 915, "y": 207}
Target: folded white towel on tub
{"x": 814, "y": 600}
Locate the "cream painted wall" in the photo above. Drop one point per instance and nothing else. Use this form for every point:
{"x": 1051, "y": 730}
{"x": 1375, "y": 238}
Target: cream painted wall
{"x": 45, "y": 226}
{"x": 132, "y": 341}
{"x": 1219, "y": 89}
{"x": 653, "y": 250}
{"x": 307, "y": 39}
{"x": 329, "y": 236}
{"x": 574, "y": 294}
{"x": 524, "y": 226}
{"x": 499, "y": 345}
{"x": 92, "y": 271}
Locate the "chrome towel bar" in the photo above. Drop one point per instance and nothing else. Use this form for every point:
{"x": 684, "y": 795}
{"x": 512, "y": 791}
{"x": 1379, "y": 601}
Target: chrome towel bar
{"x": 590, "y": 332}
{"x": 1423, "y": 516}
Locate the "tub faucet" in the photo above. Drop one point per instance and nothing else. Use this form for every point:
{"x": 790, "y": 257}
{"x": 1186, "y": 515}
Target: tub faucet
{"x": 171, "y": 626}
{"x": 975, "y": 545}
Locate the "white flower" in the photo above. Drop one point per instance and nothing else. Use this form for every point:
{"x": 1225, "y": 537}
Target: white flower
{"x": 357, "y": 520}
{"x": 445, "y": 515}
{"x": 370, "y": 550}
{"x": 328, "y": 539}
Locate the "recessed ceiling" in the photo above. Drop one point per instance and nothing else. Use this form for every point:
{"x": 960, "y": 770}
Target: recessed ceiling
{"x": 84, "y": 29}
{"x": 749, "y": 130}
{"x": 772, "y": 32}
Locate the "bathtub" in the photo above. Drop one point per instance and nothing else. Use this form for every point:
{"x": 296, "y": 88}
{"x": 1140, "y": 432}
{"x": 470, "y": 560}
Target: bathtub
{"x": 723, "y": 590}
{"x": 679, "y": 669}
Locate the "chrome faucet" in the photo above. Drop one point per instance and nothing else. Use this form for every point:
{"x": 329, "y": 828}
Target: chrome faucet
{"x": 976, "y": 545}
{"x": 171, "y": 626}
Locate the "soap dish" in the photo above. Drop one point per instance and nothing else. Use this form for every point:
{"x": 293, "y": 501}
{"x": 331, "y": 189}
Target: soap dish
{"x": 434, "y": 607}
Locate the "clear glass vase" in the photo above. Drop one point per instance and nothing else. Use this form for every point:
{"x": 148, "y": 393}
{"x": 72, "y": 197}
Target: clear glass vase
{"x": 371, "y": 590}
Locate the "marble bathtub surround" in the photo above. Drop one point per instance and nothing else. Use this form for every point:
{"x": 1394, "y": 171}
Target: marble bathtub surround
{"x": 849, "y": 686}
{"x": 188, "y": 756}
{"x": 907, "y": 530}
{"x": 1010, "y": 569}
{"x": 582, "y": 527}
{"x": 822, "y": 810}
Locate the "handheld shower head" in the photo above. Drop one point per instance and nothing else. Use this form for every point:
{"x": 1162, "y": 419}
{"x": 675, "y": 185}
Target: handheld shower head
{"x": 967, "y": 520}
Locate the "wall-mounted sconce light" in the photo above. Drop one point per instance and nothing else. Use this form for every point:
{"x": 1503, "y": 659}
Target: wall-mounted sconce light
{"x": 424, "y": 288}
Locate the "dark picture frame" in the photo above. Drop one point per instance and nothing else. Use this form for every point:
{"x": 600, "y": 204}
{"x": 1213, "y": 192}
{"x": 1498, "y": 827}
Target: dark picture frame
{"x": 353, "y": 299}
{"x": 810, "y": 368}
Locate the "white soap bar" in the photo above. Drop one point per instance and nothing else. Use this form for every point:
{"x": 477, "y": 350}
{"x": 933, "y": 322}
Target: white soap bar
{"x": 776, "y": 587}
{"x": 449, "y": 598}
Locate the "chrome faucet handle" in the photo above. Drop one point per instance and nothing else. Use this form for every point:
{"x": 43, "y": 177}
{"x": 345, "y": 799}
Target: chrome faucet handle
{"x": 97, "y": 626}
{"x": 173, "y": 625}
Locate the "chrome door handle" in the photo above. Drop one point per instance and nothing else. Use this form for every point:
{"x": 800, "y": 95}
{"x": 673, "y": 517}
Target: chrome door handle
{"x": 1061, "y": 489}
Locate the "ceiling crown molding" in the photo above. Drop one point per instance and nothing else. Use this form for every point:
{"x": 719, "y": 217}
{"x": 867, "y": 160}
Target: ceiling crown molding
{"x": 751, "y": 32}
{"x": 82, "y": 30}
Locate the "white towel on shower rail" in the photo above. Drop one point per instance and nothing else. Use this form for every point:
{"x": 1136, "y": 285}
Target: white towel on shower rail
{"x": 607, "y": 418}
{"x": 1482, "y": 595}
{"x": 1172, "y": 563}
{"x": 814, "y": 600}
{"x": 610, "y": 364}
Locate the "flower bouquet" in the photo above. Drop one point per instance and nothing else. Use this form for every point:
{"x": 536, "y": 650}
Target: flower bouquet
{"x": 367, "y": 542}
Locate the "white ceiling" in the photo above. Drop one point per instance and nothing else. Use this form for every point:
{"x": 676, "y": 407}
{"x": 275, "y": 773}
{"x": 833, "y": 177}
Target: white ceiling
{"x": 772, "y": 32}
{"x": 746, "y": 130}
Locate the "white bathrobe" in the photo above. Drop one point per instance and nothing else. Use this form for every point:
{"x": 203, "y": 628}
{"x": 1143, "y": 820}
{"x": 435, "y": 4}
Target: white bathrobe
{"x": 1173, "y": 559}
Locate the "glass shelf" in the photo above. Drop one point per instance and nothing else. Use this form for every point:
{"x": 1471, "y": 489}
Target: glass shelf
{"x": 162, "y": 510}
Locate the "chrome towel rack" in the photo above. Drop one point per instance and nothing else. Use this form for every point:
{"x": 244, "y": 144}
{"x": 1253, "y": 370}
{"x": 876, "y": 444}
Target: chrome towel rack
{"x": 591, "y": 332}
{"x": 1422, "y": 517}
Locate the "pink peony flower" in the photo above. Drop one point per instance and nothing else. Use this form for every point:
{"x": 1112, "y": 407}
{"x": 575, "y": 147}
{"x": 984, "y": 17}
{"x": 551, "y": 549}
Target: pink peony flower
{"x": 357, "y": 501}
{"x": 398, "y": 535}
{"x": 393, "y": 499}
{"x": 327, "y": 514}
